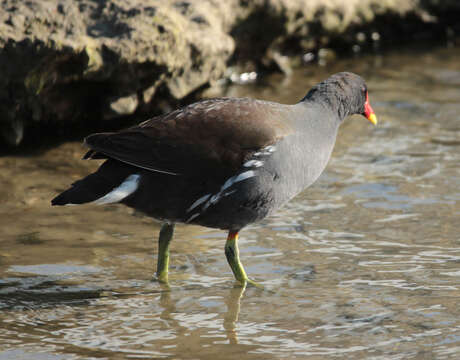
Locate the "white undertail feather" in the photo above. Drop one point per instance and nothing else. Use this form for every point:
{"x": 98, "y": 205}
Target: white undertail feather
{"x": 125, "y": 189}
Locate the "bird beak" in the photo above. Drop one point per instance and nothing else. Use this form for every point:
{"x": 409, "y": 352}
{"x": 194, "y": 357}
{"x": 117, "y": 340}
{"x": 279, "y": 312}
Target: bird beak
{"x": 368, "y": 112}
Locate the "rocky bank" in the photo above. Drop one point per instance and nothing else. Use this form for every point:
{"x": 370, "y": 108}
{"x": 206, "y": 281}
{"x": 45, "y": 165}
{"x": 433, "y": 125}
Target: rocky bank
{"x": 68, "y": 64}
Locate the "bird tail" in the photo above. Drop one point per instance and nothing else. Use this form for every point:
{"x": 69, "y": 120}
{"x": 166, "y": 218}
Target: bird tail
{"x": 112, "y": 182}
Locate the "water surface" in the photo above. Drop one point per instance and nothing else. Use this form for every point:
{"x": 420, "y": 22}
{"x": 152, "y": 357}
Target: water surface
{"x": 363, "y": 265}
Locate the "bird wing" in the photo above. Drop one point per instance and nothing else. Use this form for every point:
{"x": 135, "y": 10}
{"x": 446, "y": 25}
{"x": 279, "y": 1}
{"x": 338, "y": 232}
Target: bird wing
{"x": 211, "y": 135}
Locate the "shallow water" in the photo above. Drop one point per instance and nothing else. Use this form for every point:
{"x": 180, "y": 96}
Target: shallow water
{"x": 364, "y": 265}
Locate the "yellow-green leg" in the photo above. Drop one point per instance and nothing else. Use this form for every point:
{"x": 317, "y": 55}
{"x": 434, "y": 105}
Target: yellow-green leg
{"x": 166, "y": 235}
{"x": 233, "y": 258}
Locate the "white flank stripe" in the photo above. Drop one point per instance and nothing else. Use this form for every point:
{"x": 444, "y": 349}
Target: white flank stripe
{"x": 208, "y": 200}
{"x": 268, "y": 150}
{"x": 198, "y": 202}
{"x": 125, "y": 189}
{"x": 227, "y": 184}
{"x": 192, "y": 217}
{"x": 235, "y": 179}
{"x": 215, "y": 198}
{"x": 244, "y": 176}
{"x": 229, "y": 193}
{"x": 253, "y": 163}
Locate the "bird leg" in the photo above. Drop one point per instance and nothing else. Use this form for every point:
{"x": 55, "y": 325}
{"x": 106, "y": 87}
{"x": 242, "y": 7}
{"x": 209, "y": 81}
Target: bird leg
{"x": 233, "y": 258}
{"x": 166, "y": 235}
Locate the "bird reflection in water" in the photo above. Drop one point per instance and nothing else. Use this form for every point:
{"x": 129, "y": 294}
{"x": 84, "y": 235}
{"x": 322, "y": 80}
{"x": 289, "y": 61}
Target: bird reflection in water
{"x": 232, "y": 302}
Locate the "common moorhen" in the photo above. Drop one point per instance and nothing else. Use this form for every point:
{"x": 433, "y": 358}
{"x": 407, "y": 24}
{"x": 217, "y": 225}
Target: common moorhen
{"x": 221, "y": 163}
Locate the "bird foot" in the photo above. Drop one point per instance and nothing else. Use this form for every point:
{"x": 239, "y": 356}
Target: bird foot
{"x": 161, "y": 278}
{"x": 248, "y": 282}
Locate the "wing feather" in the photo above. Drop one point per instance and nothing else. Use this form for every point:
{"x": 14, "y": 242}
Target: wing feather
{"x": 213, "y": 135}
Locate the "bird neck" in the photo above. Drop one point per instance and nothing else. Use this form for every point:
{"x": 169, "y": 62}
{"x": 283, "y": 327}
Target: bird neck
{"x": 329, "y": 97}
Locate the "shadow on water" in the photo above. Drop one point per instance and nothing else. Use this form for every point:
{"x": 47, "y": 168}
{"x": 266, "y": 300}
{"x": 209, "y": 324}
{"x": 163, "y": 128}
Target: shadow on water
{"x": 44, "y": 294}
{"x": 364, "y": 264}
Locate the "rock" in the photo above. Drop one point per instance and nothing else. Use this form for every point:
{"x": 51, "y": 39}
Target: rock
{"x": 66, "y": 62}
{"x": 12, "y": 132}
{"x": 126, "y": 105}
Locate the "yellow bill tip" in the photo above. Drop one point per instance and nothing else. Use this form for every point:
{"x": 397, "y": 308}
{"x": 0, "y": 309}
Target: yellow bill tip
{"x": 372, "y": 118}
